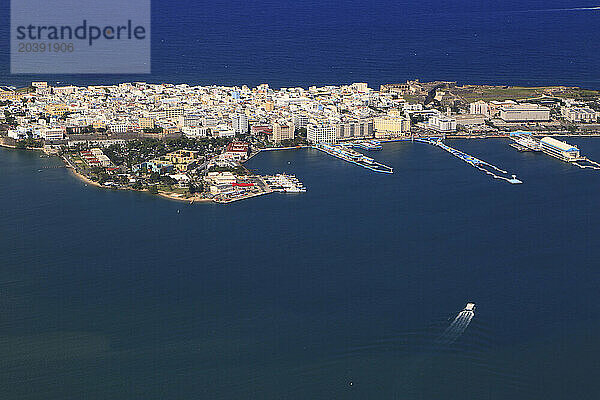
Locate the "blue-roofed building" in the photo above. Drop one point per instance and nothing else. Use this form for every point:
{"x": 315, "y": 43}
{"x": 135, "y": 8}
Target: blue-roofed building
{"x": 560, "y": 150}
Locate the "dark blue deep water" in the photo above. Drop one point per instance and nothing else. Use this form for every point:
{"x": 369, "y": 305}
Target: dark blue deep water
{"x": 290, "y": 43}
{"x": 337, "y": 293}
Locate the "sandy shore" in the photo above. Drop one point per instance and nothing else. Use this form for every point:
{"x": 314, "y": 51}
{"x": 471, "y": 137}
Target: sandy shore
{"x": 177, "y": 197}
{"x": 165, "y": 195}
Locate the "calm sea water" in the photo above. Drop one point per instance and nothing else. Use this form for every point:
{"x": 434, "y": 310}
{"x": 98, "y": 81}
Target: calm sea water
{"x": 290, "y": 43}
{"x": 339, "y": 292}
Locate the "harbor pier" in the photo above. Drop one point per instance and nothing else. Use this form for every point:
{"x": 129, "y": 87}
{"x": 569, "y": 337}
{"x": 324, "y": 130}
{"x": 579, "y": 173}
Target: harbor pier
{"x": 490, "y": 169}
{"x": 344, "y": 152}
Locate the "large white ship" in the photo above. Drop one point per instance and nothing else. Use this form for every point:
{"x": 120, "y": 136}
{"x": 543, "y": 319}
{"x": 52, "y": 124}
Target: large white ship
{"x": 527, "y": 141}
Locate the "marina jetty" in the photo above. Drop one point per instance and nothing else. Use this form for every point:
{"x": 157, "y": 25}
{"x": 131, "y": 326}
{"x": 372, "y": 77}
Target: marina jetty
{"x": 284, "y": 183}
{"x": 490, "y": 169}
{"x": 525, "y": 141}
{"x": 345, "y": 152}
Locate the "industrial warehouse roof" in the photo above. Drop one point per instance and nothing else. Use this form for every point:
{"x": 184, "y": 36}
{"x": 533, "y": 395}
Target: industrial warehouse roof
{"x": 558, "y": 144}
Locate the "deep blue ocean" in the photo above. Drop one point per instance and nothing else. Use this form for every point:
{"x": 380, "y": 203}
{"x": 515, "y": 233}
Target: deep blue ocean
{"x": 290, "y": 43}
{"x": 338, "y": 293}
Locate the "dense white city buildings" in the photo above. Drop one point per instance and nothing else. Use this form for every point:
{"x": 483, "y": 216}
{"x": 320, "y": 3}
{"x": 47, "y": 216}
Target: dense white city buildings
{"x": 329, "y": 113}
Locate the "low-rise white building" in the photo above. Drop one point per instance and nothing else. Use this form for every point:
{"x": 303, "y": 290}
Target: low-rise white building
{"x": 442, "y": 123}
{"x": 580, "y": 114}
{"x": 117, "y": 127}
{"x": 195, "y": 131}
{"x": 56, "y": 133}
{"x": 524, "y": 113}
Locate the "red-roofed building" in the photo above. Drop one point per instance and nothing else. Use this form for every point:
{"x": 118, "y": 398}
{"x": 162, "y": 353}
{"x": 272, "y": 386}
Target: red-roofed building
{"x": 237, "y": 151}
{"x": 261, "y": 129}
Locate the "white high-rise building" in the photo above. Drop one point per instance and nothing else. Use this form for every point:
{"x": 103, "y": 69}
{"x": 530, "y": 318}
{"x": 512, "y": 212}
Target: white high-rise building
{"x": 320, "y": 132}
{"x": 479, "y": 107}
{"x": 239, "y": 123}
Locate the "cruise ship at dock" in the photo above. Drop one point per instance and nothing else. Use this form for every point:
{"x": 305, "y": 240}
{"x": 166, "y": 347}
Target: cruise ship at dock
{"x": 370, "y": 145}
{"x": 526, "y": 142}
{"x": 345, "y": 153}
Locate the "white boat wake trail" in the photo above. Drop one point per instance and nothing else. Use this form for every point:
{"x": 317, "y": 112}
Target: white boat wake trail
{"x": 456, "y": 328}
{"x": 596, "y": 8}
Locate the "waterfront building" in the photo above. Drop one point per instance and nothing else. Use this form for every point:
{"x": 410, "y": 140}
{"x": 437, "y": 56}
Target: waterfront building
{"x": 391, "y": 126}
{"x": 442, "y": 123}
{"x": 101, "y": 157}
{"x": 358, "y": 128}
{"x": 155, "y": 166}
{"x": 237, "y": 151}
{"x": 524, "y": 113}
{"x": 320, "y": 132}
{"x": 282, "y": 131}
{"x": 469, "y": 120}
{"x": 57, "y": 133}
{"x": 560, "y": 150}
{"x": 20, "y": 132}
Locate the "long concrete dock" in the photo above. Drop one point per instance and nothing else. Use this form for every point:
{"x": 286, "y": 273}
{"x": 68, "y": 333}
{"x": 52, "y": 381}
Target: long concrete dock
{"x": 475, "y": 162}
{"x": 347, "y": 154}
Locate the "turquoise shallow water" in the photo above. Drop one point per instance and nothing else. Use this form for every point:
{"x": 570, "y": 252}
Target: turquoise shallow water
{"x": 339, "y": 292}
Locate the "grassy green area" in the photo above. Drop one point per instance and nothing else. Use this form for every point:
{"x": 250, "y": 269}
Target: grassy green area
{"x": 173, "y": 189}
{"x": 519, "y": 92}
{"x": 501, "y": 93}
{"x": 411, "y": 99}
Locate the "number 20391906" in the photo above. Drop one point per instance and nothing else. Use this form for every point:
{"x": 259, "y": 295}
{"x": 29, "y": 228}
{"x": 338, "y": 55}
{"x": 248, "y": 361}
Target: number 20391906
{"x": 41, "y": 47}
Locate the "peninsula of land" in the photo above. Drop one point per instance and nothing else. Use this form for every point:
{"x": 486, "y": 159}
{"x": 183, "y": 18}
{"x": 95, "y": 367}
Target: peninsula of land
{"x": 189, "y": 143}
